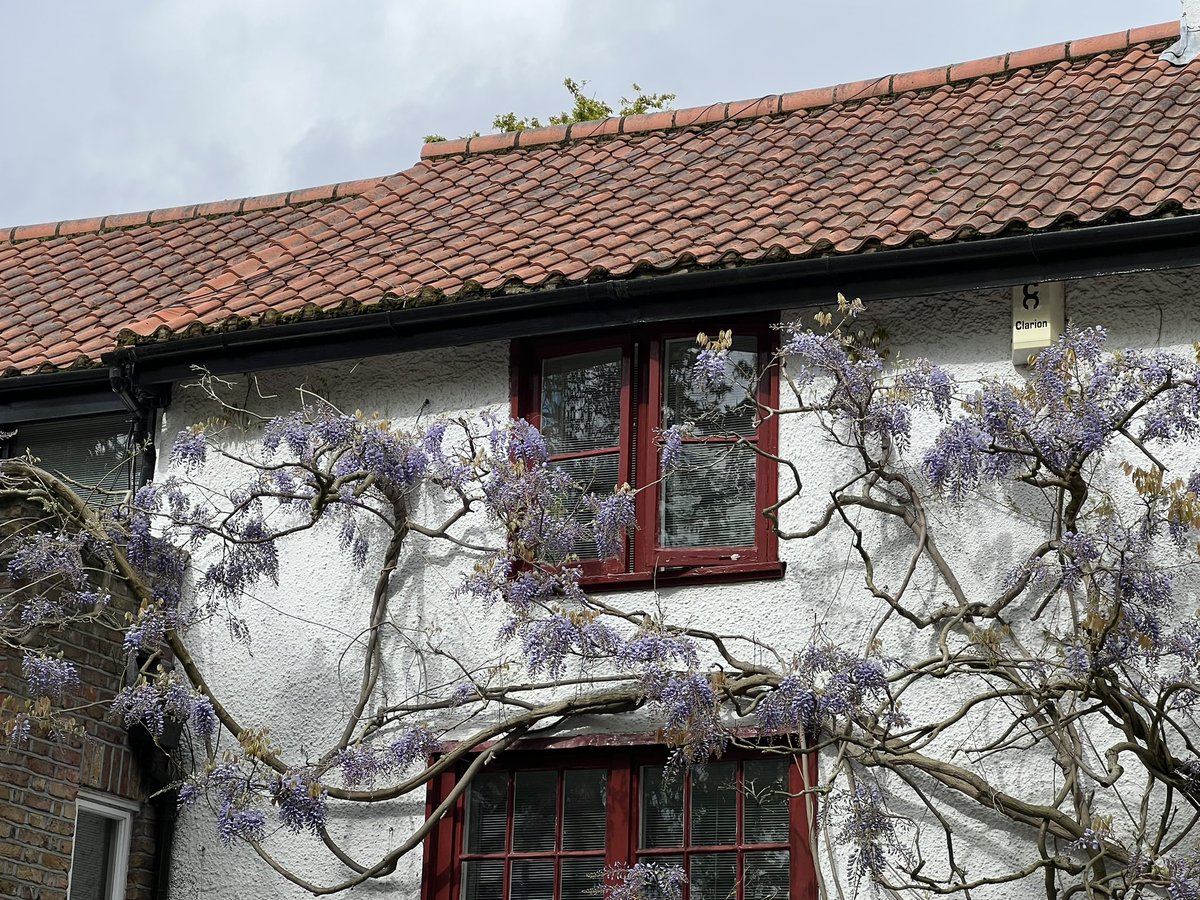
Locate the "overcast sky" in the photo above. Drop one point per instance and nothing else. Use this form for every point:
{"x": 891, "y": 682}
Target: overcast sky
{"x": 114, "y": 107}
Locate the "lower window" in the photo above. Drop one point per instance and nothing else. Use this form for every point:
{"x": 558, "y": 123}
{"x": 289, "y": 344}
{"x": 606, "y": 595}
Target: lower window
{"x": 101, "y": 850}
{"x": 546, "y": 829}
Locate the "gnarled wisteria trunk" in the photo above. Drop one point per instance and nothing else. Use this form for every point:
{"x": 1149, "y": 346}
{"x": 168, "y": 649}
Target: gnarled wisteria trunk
{"x": 982, "y": 663}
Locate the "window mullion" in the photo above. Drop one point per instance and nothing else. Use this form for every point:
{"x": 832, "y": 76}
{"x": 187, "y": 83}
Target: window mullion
{"x": 509, "y": 827}
{"x": 559, "y": 810}
{"x": 687, "y": 830}
{"x": 619, "y": 839}
{"x": 739, "y": 831}
{"x": 650, "y": 414}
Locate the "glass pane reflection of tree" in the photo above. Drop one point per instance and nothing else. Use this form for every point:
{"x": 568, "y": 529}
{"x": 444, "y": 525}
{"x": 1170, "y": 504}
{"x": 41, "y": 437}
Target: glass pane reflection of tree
{"x": 581, "y": 414}
{"x": 710, "y": 501}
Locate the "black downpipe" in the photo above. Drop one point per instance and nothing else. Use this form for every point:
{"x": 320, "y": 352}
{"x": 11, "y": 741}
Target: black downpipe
{"x": 166, "y": 806}
{"x": 144, "y": 406}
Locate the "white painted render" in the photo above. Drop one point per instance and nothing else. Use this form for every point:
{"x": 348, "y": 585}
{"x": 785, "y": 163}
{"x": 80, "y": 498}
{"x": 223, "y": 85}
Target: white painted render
{"x": 298, "y": 675}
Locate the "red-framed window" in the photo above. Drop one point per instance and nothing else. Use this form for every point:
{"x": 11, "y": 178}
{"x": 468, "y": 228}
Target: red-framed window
{"x": 545, "y": 826}
{"x": 601, "y": 402}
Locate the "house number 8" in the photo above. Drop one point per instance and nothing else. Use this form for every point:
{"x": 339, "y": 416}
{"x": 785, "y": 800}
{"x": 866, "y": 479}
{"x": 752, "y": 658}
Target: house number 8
{"x": 1031, "y": 293}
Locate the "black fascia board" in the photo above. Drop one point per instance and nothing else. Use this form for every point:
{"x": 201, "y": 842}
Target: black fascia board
{"x": 1146, "y": 245}
{"x": 1142, "y": 246}
{"x": 57, "y": 395}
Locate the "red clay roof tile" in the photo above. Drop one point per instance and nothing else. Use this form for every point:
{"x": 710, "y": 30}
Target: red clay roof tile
{"x": 1087, "y": 129}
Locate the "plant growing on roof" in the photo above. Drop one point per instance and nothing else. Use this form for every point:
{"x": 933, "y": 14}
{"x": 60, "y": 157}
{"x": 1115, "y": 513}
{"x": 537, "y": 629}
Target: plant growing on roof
{"x": 1082, "y": 660}
{"x": 584, "y": 108}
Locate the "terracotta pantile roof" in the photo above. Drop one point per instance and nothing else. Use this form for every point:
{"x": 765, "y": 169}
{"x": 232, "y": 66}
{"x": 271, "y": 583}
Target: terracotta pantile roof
{"x": 1071, "y": 134}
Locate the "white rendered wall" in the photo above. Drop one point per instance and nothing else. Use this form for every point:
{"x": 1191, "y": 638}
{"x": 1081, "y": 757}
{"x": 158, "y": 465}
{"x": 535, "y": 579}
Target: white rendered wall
{"x": 290, "y": 678}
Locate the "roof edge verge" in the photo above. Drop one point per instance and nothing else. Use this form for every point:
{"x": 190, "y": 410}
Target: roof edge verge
{"x": 813, "y": 98}
{"x": 237, "y": 206}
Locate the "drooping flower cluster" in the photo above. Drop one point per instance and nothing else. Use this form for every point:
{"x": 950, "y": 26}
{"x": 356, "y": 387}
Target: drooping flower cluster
{"x": 152, "y": 703}
{"x": 47, "y": 676}
{"x": 302, "y": 802}
{"x": 867, "y": 827}
{"x": 644, "y": 881}
{"x": 364, "y": 764}
{"x": 53, "y": 576}
{"x": 190, "y": 450}
{"x": 547, "y": 641}
{"x": 690, "y": 711}
{"x": 827, "y": 683}
{"x": 848, "y": 367}
{"x": 241, "y": 788}
{"x": 614, "y": 517}
{"x": 1078, "y": 400}
{"x": 671, "y": 441}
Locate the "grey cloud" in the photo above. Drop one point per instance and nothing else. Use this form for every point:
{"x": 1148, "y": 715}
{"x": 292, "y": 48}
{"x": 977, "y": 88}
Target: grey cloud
{"x": 113, "y": 107}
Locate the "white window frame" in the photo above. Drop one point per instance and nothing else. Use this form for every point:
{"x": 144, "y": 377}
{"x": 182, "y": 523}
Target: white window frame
{"x": 116, "y": 810}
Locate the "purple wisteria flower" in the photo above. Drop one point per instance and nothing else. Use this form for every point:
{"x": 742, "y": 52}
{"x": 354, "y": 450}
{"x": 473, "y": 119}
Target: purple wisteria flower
{"x": 48, "y": 676}
{"x": 644, "y": 881}
{"x": 671, "y": 441}
{"x": 364, "y": 764}
{"x": 615, "y": 515}
{"x": 711, "y": 367}
{"x": 190, "y": 450}
{"x": 828, "y": 682}
{"x": 691, "y": 717}
{"x": 868, "y": 827}
{"x": 927, "y": 386}
{"x": 548, "y": 642}
{"x": 152, "y": 703}
{"x": 302, "y": 802}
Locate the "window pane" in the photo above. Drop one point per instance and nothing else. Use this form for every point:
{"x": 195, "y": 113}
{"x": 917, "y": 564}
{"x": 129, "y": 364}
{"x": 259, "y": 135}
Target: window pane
{"x": 714, "y": 804}
{"x": 581, "y": 401}
{"x": 721, "y": 408}
{"x": 766, "y": 801}
{"x": 92, "y": 857}
{"x": 92, "y": 453}
{"x": 535, "y": 802}
{"x": 585, "y": 792}
{"x": 767, "y": 875}
{"x": 532, "y": 879}
{"x": 713, "y": 876}
{"x": 487, "y": 813}
{"x": 597, "y": 474}
{"x": 710, "y": 500}
{"x": 483, "y": 879}
{"x": 580, "y": 877}
{"x": 662, "y": 808}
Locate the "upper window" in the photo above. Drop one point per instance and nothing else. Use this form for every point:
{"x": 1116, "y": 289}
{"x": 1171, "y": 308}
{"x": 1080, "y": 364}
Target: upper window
{"x": 601, "y": 405}
{"x": 737, "y": 827}
{"x": 93, "y": 454}
{"x": 101, "y": 852}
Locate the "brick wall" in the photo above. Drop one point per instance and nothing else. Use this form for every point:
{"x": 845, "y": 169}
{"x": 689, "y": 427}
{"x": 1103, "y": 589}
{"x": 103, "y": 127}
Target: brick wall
{"x": 39, "y": 782}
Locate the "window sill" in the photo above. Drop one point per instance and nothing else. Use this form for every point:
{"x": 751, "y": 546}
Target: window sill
{"x": 668, "y": 576}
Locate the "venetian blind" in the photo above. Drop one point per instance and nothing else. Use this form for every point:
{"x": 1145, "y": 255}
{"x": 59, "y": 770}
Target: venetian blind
{"x": 92, "y": 453}
{"x": 92, "y": 857}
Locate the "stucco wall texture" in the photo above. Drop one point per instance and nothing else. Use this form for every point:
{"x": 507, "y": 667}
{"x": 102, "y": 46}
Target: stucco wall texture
{"x": 298, "y": 676}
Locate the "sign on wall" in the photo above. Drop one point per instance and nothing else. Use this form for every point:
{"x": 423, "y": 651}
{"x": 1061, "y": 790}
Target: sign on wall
{"x": 1038, "y": 316}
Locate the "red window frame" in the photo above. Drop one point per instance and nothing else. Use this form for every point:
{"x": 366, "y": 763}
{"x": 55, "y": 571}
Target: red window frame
{"x": 444, "y": 853}
{"x": 642, "y": 354}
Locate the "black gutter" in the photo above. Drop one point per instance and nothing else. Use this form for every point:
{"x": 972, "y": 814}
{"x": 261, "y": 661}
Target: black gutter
{"x": 1147, "y": 245}
{"x": 57, "y": 395}
{"x": 1142, "y": 246}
